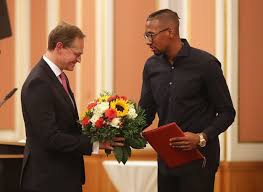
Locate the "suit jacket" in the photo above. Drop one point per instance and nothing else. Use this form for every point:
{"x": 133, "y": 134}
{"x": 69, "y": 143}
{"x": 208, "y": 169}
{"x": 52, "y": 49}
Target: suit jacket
{"x": 53, "y": 156}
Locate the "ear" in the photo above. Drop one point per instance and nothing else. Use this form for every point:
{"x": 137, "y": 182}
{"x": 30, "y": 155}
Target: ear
{"x": 172, "y": 33}
{"x": 59, "y": 45}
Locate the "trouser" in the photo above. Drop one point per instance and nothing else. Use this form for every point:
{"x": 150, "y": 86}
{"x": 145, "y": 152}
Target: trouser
{"x": 201, "y": 180}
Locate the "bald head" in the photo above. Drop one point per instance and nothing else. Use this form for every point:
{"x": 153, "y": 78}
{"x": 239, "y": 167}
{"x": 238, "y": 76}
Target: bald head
{"x": 166, "y": 17}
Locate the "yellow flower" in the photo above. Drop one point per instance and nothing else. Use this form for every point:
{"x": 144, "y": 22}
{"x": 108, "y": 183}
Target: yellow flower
{"x": 121, "y": 106}
{"x": 103, "y": 98}
{"x": 82, "y": 116}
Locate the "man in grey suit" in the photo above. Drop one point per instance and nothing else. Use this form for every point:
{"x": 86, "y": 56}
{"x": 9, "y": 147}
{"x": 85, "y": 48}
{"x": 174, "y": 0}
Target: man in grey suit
{"x": 53, "y": 157}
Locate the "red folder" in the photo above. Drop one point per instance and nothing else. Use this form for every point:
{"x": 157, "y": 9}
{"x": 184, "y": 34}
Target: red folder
{"x": 159, "y": 137}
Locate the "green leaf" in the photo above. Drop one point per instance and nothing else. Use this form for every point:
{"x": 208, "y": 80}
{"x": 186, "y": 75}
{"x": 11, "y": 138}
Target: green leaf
{"x": 126, "y": 153}
{"x": 136, "y": 143}
{"x": 118, "y": 153}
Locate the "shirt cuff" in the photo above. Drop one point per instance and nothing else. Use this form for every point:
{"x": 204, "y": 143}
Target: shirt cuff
{"x": 96, "y": 147}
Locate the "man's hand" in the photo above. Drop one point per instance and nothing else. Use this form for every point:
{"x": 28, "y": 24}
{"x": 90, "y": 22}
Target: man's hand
{"x": 117, "y": 141}
{"x": 188, "y": 142}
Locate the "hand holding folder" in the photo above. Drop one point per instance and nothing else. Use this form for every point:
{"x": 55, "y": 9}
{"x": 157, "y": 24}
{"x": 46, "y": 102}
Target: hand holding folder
{"x": 159, "y": 137}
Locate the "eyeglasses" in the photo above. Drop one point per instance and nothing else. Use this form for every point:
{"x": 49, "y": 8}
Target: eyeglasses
{"x": 76, "y": 53}
{"x": 150, "y": 35}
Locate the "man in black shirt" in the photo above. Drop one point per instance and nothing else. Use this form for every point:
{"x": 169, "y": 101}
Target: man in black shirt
{"x": 185, "y": 85}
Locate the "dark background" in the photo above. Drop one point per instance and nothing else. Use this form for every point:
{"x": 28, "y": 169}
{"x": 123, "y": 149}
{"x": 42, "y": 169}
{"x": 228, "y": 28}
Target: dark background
{"x": 5, "y": 28}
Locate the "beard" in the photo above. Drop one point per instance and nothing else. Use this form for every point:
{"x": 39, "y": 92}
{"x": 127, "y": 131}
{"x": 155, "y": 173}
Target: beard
{"x": 156, "y": 51}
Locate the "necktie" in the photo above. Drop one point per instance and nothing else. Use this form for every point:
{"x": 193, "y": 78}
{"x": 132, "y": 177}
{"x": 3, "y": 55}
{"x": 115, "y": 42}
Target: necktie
{"x": 64, "y": 82}
{"x": 65, "y": 85}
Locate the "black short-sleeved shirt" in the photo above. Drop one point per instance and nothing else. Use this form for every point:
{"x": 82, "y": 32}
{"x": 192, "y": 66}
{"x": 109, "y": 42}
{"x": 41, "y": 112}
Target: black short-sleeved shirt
{"x": 191, "y": 92}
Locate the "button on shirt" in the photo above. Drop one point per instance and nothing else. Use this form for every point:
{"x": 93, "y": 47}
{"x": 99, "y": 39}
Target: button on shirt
{"x": 191, "y": 91}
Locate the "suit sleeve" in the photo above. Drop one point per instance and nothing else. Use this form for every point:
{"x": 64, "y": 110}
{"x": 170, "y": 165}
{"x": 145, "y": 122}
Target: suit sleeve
{"x": 38, "y": 105}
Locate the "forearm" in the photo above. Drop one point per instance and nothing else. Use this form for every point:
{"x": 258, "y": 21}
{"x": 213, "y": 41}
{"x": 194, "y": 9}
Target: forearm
{"x": 219, "y": 98}
{"x": 220, "y": 124}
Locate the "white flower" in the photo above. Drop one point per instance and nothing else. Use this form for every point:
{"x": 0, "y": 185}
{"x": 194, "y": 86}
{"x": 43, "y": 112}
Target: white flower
{"x": 94, "y": 118}
{"x": 101, "y": 108}
{"x": 115, "y": 122}
{"x": 132, "y": 112}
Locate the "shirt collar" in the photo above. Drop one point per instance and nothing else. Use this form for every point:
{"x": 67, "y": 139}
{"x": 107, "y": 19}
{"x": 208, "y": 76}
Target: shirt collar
{"x": 184, "y": 51}
{"x": 56, "y": 70}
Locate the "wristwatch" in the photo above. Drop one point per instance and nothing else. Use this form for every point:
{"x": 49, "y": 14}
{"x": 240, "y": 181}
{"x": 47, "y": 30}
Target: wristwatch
{"x": 202, "y": 141}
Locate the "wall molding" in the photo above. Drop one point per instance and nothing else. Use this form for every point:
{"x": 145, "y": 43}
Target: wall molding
{"x": 241, "y": 176}
{"x": 22, "y": 59}
{"x": 237, "y": 151}
{"x": 52, "y": 13}
{"x": 78, "y": 67}
{"x": 104, "y": 46}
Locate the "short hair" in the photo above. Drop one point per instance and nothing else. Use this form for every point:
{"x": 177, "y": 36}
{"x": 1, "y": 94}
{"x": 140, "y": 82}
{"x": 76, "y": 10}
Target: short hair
{"x": 164, "y": 16}
{"x": 64, "y": 33}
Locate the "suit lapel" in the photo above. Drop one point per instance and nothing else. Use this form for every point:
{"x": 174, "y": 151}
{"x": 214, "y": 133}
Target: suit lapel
{"x": 59, "y": 86}
{"x": 73, "y": 98}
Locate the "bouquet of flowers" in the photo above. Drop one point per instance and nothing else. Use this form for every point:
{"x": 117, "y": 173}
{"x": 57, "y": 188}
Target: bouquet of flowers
{"x": 111, "y": 115}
